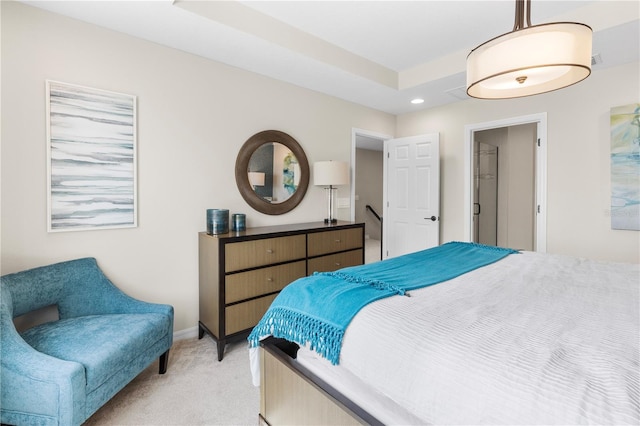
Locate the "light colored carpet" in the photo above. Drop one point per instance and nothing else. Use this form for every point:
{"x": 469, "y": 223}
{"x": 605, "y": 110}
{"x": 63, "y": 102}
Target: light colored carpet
{"x": 371, "y": 250}
{"x": 195, "y": 390}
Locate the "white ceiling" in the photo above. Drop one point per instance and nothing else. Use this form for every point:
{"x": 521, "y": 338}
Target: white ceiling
{"x": 380, "y": 54}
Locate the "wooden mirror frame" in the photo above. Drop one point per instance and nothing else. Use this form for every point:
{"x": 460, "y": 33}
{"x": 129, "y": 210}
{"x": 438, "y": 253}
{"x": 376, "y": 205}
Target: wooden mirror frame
{"x": 242, "y": 177}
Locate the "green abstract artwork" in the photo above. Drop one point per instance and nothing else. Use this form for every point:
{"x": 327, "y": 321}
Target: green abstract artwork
{"x": 625, "y": 167}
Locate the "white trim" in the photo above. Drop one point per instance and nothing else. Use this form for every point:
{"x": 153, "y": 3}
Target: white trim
{"x": 541, "y": 172}
{"x": 541, "y": 186}
{"x": 187, "y": 333}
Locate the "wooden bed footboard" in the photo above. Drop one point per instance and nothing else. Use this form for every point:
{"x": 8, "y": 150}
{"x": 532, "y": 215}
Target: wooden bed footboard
{"x": 291, "y": 394}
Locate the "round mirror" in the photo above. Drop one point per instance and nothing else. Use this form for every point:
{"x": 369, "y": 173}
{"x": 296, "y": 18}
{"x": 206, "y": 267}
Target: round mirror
{"x": 272, "y": 172}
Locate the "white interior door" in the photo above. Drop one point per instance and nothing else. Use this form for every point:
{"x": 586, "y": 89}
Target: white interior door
{"x": 411, "y": 194}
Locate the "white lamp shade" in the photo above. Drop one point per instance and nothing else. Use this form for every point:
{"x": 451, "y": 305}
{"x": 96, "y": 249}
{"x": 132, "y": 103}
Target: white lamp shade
{"x": 326, "y": 173}
{"x": 530, "y": 61}
{"x": 256, "y": 178}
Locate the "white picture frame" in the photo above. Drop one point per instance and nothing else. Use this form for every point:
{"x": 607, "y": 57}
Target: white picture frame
{"x": 91, "y": 158}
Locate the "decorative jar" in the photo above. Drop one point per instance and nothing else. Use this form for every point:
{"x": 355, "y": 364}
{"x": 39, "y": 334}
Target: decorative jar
{"x": 217, "y": 221}
{"x": 238, "y": 222}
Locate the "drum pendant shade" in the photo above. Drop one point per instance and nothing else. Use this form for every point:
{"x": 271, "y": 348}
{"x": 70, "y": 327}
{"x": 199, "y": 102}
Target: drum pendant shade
{"x": 530, "y": 60}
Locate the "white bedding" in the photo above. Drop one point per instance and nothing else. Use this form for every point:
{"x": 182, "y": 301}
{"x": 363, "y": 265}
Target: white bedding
{"x": 531, "y": 339}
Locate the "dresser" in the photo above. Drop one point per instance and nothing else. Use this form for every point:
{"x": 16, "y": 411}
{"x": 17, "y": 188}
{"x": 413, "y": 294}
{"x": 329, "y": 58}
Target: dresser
{"x": 240, "y": 273}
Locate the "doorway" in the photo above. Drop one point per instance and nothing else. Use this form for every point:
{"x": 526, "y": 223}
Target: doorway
{"x": 504, "y": 186}
{"x": 485, "y": 193}
{"x": 505, "y": 183}
{"x": 367, "y": 169}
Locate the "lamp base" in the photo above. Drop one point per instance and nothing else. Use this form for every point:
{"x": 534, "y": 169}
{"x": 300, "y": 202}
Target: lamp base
{"x": 331, "y": 221}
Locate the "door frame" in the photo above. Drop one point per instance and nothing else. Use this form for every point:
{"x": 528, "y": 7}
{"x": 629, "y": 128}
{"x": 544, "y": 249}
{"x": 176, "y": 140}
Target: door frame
{"x": 541, "y": 172}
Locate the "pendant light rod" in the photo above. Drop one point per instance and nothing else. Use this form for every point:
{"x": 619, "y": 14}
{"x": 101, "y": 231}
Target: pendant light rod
{"x": 521, "y": 7}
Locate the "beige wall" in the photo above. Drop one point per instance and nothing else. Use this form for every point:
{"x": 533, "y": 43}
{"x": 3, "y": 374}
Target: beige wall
{"x": 193, "y": 116}
{"x": 578, "y": 187}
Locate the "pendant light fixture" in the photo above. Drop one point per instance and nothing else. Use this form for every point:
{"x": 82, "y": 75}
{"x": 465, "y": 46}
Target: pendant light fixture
{"x": 529, "y": 60}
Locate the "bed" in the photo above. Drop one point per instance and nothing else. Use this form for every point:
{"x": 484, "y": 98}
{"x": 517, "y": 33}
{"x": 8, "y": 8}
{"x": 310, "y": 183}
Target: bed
{"x": 528, "y": 338}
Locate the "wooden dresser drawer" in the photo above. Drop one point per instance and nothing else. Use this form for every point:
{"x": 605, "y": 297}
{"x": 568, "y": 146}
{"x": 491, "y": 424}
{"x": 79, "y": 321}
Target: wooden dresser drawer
{"x": 245, "y": 315}
{"x": 333, "y": 241}
{"x": 250, "y": 254}
{"x": 331, "y": 262}
{"x": 244, "y": 285}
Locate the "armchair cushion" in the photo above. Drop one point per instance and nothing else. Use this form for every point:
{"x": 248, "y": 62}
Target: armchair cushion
{"x": 99, "y": 342}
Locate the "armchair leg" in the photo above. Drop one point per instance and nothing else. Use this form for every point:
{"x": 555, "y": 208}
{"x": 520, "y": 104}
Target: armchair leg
{"x": 164, "y": 362}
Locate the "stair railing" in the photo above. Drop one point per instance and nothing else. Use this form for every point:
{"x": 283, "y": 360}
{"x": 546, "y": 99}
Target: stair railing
{"x": 370, "y": 209}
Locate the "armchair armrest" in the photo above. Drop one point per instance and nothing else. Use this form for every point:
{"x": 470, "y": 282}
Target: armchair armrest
{"x": 36, "y": 385}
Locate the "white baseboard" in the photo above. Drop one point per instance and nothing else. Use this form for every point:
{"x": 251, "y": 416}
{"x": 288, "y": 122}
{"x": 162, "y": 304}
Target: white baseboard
{"x": 187, "y": 333}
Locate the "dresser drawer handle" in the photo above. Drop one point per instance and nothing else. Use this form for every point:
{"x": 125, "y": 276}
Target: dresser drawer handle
{"x": 338, "y": 241}
{"x": 270, "y": 279}
{"x": 337, "y": 263}
{"x": 270, "y": 251}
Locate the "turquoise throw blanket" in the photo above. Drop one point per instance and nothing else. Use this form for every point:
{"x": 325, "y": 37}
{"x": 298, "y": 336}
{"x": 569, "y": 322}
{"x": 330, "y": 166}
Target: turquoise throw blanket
{"x": 317, "y": 309}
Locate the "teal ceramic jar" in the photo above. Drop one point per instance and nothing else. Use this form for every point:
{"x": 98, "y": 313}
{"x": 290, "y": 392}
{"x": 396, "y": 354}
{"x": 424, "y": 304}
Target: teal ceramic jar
{"x": 217, "y": 221}
{"x": 238, "y": 222}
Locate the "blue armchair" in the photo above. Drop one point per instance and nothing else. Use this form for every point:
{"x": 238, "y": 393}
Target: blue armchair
{"x": 62, "y": 371}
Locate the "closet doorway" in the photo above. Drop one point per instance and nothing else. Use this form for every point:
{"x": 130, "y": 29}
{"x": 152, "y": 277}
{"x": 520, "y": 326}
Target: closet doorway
{"x": 505, "y": 183}
{"x": 485, "y": 193}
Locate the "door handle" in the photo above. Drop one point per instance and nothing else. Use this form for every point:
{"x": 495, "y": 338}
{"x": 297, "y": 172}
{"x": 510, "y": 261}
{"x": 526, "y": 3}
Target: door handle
{"x": 432, "y": 218}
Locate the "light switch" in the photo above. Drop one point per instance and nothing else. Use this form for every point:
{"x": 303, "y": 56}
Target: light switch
{"x": 343, "y": 203}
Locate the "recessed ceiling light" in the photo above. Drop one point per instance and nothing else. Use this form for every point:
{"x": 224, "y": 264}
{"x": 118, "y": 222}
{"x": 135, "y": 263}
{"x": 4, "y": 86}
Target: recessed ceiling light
{"x": 417, "y": 101}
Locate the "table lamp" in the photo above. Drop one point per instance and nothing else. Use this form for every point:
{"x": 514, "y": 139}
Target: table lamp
{"x": 256, "y": 179}
{"x": 330, "y": 174}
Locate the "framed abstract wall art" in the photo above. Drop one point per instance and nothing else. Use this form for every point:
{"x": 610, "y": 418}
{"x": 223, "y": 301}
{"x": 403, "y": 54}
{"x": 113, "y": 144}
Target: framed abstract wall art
{"x": 91, "y": 158}
{"x": 625, "y": 167}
